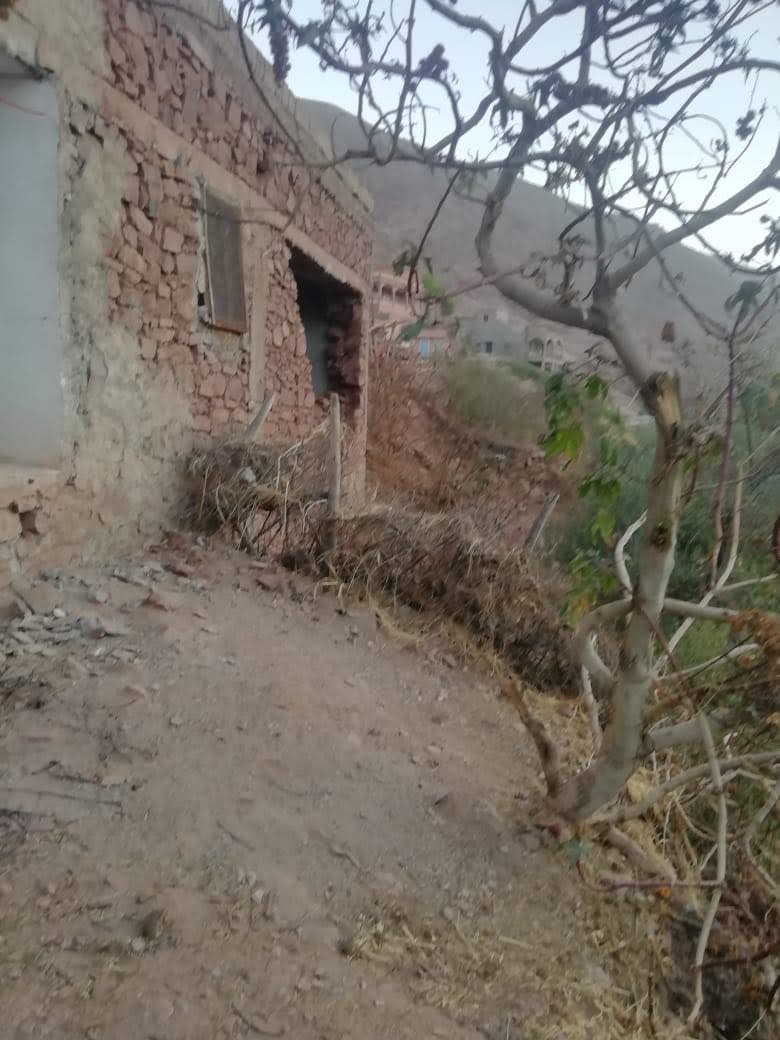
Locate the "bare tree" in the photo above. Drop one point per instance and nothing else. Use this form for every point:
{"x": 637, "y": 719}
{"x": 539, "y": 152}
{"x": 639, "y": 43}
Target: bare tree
{"x": 624, "y": 121}
{"x": 621, "y": 118}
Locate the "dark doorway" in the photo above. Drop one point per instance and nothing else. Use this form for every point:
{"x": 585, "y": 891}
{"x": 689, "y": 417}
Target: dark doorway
{"x": 316, "y": 291}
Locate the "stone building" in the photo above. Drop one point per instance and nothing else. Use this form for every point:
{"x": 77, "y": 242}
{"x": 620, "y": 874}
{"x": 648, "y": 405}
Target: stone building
{"x": 172, "y": 247}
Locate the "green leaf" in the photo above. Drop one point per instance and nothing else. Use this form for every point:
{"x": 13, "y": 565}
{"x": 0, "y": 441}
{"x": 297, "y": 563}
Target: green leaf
{"x": 566, "y": 440}
{"x": 412, "y": 331}
{"x": 608, "y": 452}
{"x": 401, "y": 262}
{"x": 596, "y": 387}
{"x": 603, "y": 525}
{"x": 575, "y": 850}
{"x": 432, "y": 285}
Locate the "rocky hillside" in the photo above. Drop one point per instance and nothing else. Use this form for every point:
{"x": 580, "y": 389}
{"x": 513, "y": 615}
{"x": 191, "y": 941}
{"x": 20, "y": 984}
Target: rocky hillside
{"x": 406, "y": 195}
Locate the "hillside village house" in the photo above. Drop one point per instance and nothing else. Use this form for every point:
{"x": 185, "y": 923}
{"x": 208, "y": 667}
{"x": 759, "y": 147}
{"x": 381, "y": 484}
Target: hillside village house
{"x": 171, "y": 249}
{"x": 393, "y": 311}
{"x": 495, "y": 335}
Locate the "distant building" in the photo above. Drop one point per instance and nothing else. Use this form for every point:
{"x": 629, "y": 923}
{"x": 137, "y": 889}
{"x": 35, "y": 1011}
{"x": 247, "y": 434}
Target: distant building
{"x": 544, "y": 350}
{"x": 493, "y": 336}
{"x": 393, "y": 311}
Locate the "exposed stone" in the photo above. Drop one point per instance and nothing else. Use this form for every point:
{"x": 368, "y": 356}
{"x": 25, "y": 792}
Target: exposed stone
{"x": 132, "y": 259}
{"x": 10, "y": 526}
{"x": 148, "y": 349}
{"x": 161, "y": 600}
{"x": 133, "y": 18}
{"x": 213, "y": 385}
{"x": 172, "y": 240}
{"x": 141, "y": 221}
{"x": 187, "y": 265}
{"x": 234, "y": 390}
{"x": 41, "y": 597}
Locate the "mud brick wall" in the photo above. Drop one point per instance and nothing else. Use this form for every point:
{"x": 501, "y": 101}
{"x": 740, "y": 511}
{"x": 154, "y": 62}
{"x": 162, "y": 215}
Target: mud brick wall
{"x": 157, "y": 263}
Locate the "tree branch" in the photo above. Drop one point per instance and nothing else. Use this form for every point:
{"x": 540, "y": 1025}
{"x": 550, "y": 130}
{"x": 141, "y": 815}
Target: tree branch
{"x": 697, "y": 223}
{"x": 720, "y": 876}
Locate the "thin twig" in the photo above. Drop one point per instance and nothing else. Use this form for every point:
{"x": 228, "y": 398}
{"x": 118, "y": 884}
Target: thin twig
{"x": 633, "y": 812}
{"x": 725, "y": 574}
{"x": 620, "y": 550}
{"x": 545, "y": 746}
{"x": 720, "y": 875}
{"x": 591, "y": 705}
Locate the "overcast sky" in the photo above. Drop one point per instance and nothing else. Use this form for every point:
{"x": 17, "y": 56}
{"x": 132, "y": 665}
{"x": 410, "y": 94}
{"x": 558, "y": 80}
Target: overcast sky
{"x": 467, "y": 53}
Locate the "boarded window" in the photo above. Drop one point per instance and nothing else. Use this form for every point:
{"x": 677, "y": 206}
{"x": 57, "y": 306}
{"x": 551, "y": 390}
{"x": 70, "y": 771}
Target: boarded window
{"x": 224, "y": 267}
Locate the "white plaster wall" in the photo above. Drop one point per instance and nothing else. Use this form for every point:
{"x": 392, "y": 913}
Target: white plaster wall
{"x": 31, "y": 408}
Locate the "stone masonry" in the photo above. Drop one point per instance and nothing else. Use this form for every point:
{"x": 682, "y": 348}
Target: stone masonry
{"x": 154, "y": 108}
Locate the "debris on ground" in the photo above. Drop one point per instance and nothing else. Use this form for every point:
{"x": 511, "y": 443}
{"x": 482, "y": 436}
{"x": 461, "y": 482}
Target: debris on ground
{"x": 439, "y": 566}
{"x": 257, "y": 492}
{"x": 284, "y": 814}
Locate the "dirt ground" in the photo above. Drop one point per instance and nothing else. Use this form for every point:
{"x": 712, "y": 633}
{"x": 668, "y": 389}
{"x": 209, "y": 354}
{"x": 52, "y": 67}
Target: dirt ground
{"x": 229, "y": 809}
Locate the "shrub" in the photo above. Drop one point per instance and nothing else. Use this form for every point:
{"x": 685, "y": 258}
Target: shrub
{"x": 495, "y": 398}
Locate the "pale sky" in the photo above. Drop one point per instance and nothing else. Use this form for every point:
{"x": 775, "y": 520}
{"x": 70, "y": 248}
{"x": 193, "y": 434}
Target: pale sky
{"x": 467, "y": 53}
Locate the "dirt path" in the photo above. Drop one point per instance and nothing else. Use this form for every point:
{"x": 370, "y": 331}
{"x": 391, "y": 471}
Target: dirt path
{"x": 251, "y": 815}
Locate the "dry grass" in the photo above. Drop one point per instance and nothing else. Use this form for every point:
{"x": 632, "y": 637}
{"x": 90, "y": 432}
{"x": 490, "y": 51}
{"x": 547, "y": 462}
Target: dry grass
{"x": 262, "y": 494}
{"x": 462, "y": 963}
{"x": 438, "y": 566}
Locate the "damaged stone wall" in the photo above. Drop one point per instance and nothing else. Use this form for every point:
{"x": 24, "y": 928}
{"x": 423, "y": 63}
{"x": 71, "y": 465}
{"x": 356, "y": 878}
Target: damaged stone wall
{"x": 145, "y": 122}
{"x": 289, "y": 372}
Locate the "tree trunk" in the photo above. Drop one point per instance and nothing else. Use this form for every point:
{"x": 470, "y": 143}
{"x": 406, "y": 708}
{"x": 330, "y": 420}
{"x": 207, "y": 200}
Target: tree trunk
{"x": 604, "y": 779}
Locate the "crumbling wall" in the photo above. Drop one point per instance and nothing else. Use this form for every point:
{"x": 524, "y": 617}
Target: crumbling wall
{"x": 287, "y": 367}
{"x": 144, "y": 123}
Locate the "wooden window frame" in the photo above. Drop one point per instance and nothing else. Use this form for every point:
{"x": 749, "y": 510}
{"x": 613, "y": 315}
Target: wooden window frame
{"x": 218, "y": 212}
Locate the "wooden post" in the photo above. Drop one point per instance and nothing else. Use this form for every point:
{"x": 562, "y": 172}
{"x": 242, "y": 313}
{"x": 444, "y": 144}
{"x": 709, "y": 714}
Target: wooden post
{"x": 540, "y": 522}
{"x": 262, "y": 415}
{"x": 334, "y": 492}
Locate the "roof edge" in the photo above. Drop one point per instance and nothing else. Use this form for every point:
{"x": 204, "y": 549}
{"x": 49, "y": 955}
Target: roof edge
{"x": 197, "y": 18}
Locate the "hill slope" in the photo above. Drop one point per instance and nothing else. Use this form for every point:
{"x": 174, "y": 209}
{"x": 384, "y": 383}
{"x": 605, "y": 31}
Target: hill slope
{"x": 406, "y": 195}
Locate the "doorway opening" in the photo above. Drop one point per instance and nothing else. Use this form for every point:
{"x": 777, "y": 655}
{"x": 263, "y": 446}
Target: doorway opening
{"x": 331, "y": 316}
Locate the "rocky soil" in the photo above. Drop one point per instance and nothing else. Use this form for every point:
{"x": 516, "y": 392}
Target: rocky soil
{"x": 229, "y": 809}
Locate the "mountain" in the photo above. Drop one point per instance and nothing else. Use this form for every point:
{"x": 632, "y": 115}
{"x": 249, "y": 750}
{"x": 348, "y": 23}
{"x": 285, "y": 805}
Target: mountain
{"x": 406, "y": 194}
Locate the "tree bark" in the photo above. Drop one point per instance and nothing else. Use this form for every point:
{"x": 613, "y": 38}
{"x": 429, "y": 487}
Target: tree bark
{"x": 604, "y": 779}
